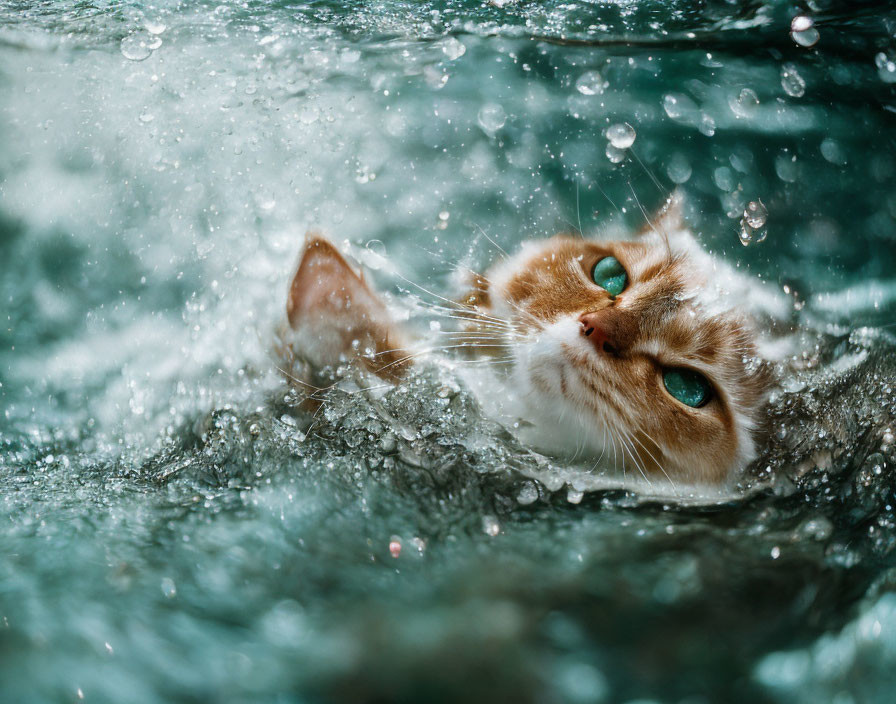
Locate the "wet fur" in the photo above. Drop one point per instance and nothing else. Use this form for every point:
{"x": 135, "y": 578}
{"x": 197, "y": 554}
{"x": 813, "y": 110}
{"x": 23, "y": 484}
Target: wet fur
{"x": 681, "y": 308}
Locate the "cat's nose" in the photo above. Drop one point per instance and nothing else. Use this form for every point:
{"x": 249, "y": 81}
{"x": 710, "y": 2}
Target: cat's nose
{"x": 609, "y": 330}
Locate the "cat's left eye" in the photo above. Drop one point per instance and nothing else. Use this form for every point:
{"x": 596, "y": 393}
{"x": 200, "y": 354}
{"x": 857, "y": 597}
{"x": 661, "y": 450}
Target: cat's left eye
{"x": 688, "y": 386}
{"x": 610, "y": 276}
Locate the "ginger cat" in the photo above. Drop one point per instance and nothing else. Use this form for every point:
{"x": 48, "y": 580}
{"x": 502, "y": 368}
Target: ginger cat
{"x": 640, "y": 350}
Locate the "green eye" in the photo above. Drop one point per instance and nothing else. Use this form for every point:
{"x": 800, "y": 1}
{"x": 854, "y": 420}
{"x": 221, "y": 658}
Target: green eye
{"x": 610, "y": 276}
{"x": 688, "y": 386}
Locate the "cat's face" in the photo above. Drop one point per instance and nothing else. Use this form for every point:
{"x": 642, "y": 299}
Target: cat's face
{"x": 634, "y": 347}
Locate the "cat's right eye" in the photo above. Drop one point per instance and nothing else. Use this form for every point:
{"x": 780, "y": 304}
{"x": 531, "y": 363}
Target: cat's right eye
{"x": 688, "y": 386}
{"x": 610, "y": 276}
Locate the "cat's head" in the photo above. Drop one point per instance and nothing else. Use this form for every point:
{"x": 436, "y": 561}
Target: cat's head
{"x": 636, "y": 347}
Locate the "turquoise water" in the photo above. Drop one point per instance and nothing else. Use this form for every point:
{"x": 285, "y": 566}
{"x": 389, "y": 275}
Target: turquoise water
{"x": 174, "y": 528}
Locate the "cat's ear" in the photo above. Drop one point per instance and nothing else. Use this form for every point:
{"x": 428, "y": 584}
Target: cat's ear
{"x": 668, "y": 219}
{"x": 668, "y": 225}
{"x": 336, "y": 316}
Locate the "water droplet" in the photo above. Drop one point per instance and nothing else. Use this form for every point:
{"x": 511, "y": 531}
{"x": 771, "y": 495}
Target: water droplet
{"x": 395, "y": 546}
{"x": 374, "y": 256}
{"x": 490, "y": 525}
{"x": 678, "y": 105}
{"x": 265, "y": 200}
{"x": 168, "y": 588}
{"x": 591, "y": 83}
{"x": 756, "y": 214}
{"x": 434, "y": 77}
{"x": 453, "y": 48}
{"x": 745, "y": 104}
{"x": 801, "y": 23}
{"x": 786, "y": 167}
{"x": 803, "y": 32}
{"x": 679, "y": 168}
{"x": 621, "y": 135}
{"x": 154, "y": 26}
{"x": 528, "y": 494}
{"x": 819, "y": 528}
{"x": 574, "y": 496}
{"x": 792, "y": 82}
{"x": 146, "y": 117}
{"x": 350, "y": 56}
{"x": 707, "y": 125}
{"x": 723, "y": 178}
{"x": 492, "y": 118}
{"x": 886, "y": 67}
{"x": 136, "y": 46}
{"x": 833, "y": 152}
{"x": 752, "y": 223}
{"x": 615, "y": 154}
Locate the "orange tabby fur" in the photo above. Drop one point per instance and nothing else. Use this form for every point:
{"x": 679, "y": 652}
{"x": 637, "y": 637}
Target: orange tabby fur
{"x": 604, "y": 393}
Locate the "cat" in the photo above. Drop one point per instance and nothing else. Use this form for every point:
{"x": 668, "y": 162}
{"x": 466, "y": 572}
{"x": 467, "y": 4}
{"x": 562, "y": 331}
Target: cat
{"x": 644, "y": 350}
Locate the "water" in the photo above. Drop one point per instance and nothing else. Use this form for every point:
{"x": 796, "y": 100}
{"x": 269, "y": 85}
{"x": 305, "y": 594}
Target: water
{"x": 176, "y": 529}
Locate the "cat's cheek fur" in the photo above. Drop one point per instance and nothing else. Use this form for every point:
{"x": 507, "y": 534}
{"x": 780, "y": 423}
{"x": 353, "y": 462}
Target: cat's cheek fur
{"x": 551, "y": 393}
